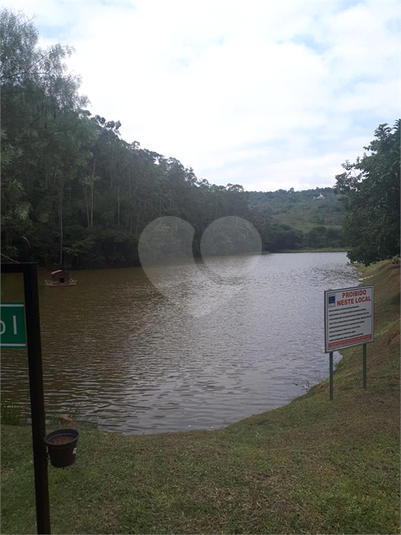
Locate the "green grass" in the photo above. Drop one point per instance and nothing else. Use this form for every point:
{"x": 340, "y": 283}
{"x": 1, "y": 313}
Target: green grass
{"x": 313, "y": 466}
{"x": 10, "y": 415}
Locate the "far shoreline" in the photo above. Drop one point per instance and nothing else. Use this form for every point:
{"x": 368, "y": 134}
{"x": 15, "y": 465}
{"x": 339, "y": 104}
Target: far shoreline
{"x": 323, "y": 250}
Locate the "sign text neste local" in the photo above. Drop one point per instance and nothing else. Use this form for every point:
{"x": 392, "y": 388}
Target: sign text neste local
{"x": 348, "y": 317}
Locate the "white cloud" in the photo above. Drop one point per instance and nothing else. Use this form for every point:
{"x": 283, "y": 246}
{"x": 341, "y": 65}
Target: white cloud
{"x": 264, "y": 94}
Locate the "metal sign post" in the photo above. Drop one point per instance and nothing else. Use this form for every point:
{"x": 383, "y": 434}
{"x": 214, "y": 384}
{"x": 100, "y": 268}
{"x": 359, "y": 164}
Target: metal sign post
{"x": 32, "y": 322}
{"x": 364, "y": 366}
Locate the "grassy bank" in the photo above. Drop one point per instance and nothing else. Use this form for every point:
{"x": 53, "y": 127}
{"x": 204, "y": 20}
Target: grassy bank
{"x": 313, "y": 466}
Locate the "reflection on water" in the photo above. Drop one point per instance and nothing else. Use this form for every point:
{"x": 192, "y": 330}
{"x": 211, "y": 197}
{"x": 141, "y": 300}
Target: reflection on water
{"x": 135, "y": 361}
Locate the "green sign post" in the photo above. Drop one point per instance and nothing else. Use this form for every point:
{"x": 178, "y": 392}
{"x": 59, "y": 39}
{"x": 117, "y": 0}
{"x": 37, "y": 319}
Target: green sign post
{"x": 12, "y": 325}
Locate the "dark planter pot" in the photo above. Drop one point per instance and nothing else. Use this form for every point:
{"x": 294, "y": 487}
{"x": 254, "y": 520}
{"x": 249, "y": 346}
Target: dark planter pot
{"x": 62, "y": 447}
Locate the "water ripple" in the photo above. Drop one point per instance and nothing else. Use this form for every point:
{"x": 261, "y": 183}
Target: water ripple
{"x": 128, "y": 358}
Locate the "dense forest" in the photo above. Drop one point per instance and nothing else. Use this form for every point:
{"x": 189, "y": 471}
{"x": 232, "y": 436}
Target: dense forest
{"x": 74, "y": 193}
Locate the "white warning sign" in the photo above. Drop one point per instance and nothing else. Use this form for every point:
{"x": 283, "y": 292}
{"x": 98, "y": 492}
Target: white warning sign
{"x": 348, "y": 317}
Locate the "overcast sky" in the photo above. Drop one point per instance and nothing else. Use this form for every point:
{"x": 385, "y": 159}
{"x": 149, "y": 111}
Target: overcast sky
{"x": 267, "y": 94}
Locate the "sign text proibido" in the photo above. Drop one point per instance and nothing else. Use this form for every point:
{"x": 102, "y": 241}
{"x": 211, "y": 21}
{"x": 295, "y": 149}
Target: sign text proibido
{"x": 348, "y": 317}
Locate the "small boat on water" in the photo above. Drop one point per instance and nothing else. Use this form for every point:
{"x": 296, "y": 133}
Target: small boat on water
{"x": 60, "y": 277}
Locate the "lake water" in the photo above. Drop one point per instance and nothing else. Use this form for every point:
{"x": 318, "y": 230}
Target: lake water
{"x": 210, "y": 353}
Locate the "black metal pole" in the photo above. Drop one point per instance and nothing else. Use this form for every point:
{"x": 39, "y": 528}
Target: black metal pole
{"x": 37, "y": 397}
{"x": 364, "y": 367}
{"x": 331, "y": 375}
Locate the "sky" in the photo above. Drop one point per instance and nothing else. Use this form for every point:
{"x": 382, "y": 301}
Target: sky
{"x": 267, "y": 94}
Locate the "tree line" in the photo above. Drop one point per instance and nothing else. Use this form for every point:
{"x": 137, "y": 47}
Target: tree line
{"x": 74, "y": 193}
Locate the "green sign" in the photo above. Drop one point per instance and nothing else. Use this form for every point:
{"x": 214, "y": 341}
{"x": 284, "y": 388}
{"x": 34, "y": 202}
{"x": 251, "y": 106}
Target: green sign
{"x": 12, "y": 325}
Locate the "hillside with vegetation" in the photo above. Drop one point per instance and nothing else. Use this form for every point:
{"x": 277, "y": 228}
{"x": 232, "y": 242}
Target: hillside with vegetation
{"x": 302, "y": 210}
{"x": 298, "y": 219}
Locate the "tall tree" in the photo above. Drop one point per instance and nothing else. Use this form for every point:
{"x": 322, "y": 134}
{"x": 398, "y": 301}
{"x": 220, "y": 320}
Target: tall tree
{"x": 372, "y": 188}
{"x": 41, "y": 115}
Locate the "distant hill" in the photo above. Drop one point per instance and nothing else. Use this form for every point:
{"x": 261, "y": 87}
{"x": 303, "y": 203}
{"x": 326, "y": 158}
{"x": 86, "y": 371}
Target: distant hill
{"x": 301, "y": 210}
{"x": 291, "y": 219}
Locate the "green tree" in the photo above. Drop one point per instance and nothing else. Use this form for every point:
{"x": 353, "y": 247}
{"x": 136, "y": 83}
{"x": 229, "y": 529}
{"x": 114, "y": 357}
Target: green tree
{"x": 317, "y": 237}
{"x": 372, "y": 198}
